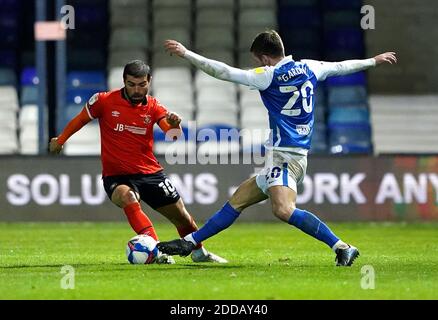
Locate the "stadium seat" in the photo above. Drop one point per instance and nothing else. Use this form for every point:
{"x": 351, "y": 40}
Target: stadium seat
{"x": 28, "y": 115}
{"x": 221, "y": 40}
{"x": 8, "y": 138}
{"x": 214, "y": 4}
{"x": 216, "y": 117}
{"x": 29, "y": 95}
{"x": 180, "y": 34}
{"x": 341, "y": 4}
{"x": 123, "y": 17}
{"x": 7, "y": 77}
{"x": 121, "y": 58}
{"x": 303, "y": 18}
{"x": 355, "y": 79}
{"x": 225, "y": 56}
{"x": 172, "y": 3}
{"x": 249, "y": 97}
{"x": 86, "y": 80}
{"x": 347, "y": 96}
{"x": 180, "y": 94}
{"x": 79, "y": 96}
{"x": 219, "y": 94}
{"x": 8, "y": 98}
{"x": 86, "y": 59}
{"x": 319, "y": 114}
{"x": 28, "y": 139}
{"x": 299, "y": 38}
{"x": 342, "y": 18}
{"x": 29, "y": 77}
{"x": 246, "y": 37}
{"x": 116, "y": 5}
{"x": 89, "y": 14}
{"x": 346, "y": 139}
{"x": 348, "y": 116}
{"x": 203, "y": 80}
{"x": 214, "y": 17}
{"x": 254, "y": 116}
{"x": 129, "y": 39}
{"x": 319, "y": 133}
{"x": 7, "y": 117}
{"x": 160, "y": 59}
{"x": 171, "y": 76}
{"x": 172, "y": 17}
{"x": 28, "y": 130}
{"x": 115, "y": 79}
{"x": 71, "y": 111}
{"x": 84, "y": 142}
{"x": 261, "y": 18}
{"x": 298, "y": 3}
{"x": 265, "y": 4}
{"x": 245, "y": 59}
{"x": 348, "y": 39}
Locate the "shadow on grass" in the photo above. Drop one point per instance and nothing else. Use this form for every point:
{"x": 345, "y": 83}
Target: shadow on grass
{"x": 125, "y": 266}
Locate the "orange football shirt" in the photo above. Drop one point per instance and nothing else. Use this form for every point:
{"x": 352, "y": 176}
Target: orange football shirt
{"x": 126, "y": 132}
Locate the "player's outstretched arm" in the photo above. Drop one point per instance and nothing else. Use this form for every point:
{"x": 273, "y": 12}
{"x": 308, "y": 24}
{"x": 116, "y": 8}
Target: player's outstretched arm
{"x": 330, "y": 69}
{"x": 214, "y": 68}
{"x": 56, "y": 144}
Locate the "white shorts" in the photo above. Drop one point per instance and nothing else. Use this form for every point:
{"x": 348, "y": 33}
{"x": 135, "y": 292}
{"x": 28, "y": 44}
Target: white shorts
{"x": 282, "y": 168}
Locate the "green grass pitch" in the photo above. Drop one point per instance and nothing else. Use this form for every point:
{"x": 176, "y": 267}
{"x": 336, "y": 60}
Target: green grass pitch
{"x": 267, "y": 261}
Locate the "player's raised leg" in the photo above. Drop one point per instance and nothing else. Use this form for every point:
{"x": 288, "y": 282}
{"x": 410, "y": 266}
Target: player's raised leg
{"x": 283, "y": 201}
{"x": 246, "y": 195}
{"x": 127, "y": 199}
{"x": 185, "y": 224}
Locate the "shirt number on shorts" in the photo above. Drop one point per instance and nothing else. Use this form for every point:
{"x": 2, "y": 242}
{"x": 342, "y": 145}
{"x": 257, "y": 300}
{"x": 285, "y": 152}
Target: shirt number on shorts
{"x": 167, "y": 187}
{"x": 275, "y": 172}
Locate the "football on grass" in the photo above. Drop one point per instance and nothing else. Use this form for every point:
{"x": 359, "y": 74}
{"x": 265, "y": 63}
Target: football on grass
{"x": 142, "y": 249}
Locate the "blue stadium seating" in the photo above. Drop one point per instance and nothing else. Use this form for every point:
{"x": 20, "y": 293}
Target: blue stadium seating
{"x": 86, "y": 80}
{"x": 29, "y": 77}
{"x": 355, "y": 79}
{"x": 350, "y": 139}
{"x": 349, "y": 39}
{"x": 351, "y": 115}
{"x": 79, "y": 96}
{"x": 340, "y": 96}
{"x": 305, "y": 18}
{"x": 86, "y": 60}
{"x": 319, "y": 139}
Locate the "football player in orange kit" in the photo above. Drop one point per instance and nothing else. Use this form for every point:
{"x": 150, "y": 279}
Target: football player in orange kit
{"x": 130, "y": 170}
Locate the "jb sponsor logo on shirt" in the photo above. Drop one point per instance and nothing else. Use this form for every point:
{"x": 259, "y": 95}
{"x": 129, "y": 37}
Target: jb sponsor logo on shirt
{"x": 133, "y": 129}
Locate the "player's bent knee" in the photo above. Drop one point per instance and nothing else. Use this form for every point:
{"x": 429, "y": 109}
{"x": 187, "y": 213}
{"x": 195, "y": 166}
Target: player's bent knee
{"x": 124, "y": 196}
{"x": 283, "y": 212}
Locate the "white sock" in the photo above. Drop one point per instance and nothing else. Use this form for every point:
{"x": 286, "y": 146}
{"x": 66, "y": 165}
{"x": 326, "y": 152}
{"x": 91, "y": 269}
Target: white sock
{"x": 340, "y": 245}
{"x": 189, "y": 237}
